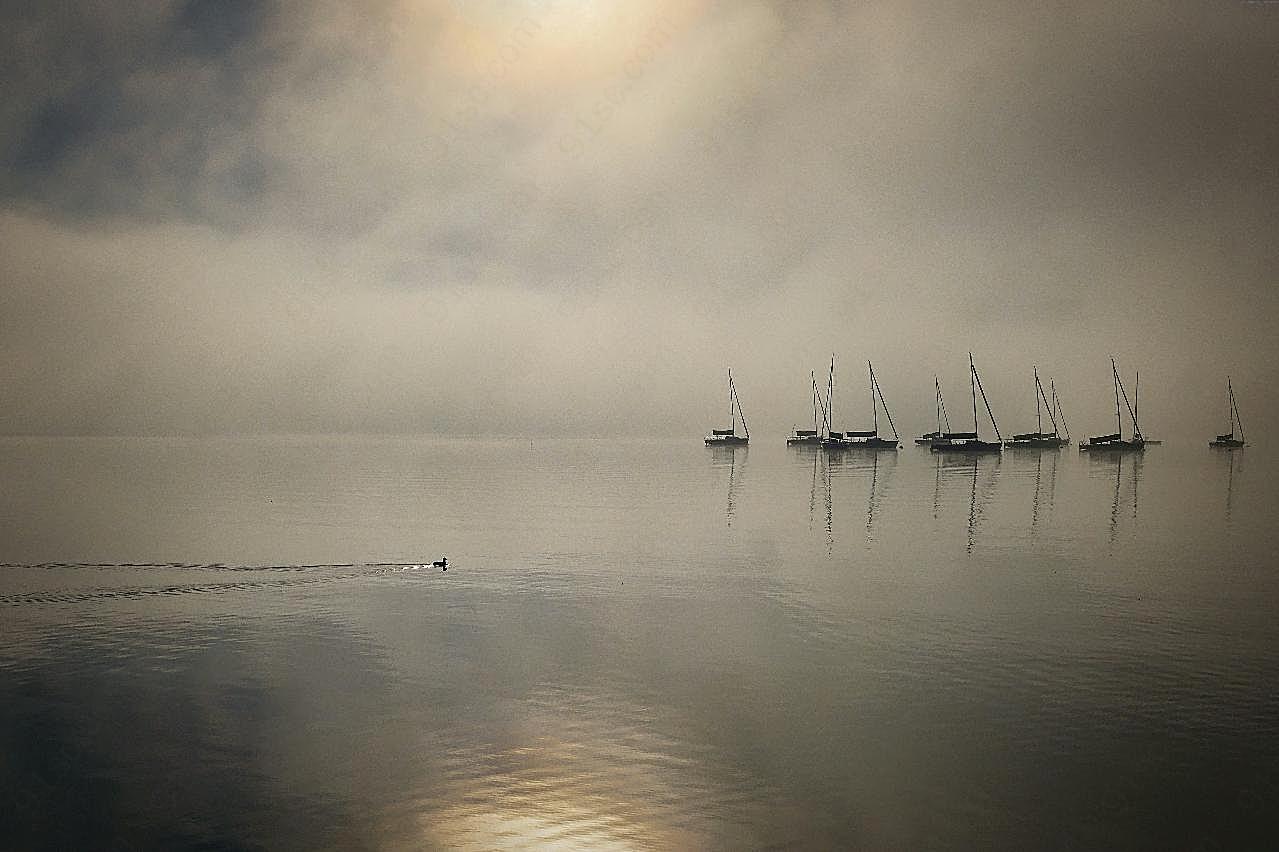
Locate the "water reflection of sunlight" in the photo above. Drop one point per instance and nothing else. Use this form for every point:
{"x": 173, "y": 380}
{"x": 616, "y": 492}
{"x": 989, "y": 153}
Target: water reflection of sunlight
{"x": 558, "y": 794}
{"x": 580, "y": 772}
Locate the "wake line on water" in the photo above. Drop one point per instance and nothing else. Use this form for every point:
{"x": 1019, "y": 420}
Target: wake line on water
{"x": 136, "y": 592}
{"x": 206, "y": 566}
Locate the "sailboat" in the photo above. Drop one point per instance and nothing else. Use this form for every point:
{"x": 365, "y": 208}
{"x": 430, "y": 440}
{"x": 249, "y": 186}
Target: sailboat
{"x": 813, "y": 437}
{"x": 1059, "y": 416}
{"x": 1116, "y": 442}
{"x": 729, "y": 436}
{"x": 831, "y": 440}
{"x": 970, "y": 442}
{"x": 1039, "y": 439}
{"x": 870, "y": 440}
{"x": 1229, "y": 441}
{"x": 927, "y": 438}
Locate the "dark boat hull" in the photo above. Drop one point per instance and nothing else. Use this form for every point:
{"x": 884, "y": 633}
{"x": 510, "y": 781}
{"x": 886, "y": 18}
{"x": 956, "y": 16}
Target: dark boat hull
{"x": 1230, "y": 444}
{"x": 726, "y": 440}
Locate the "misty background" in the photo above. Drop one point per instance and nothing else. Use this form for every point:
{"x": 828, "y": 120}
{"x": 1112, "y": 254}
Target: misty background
{"x": 568, "y": 217}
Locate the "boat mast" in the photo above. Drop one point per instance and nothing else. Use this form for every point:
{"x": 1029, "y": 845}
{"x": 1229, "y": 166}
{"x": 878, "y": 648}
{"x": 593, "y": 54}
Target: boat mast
{"x": 1057, "y": 407}
{"x": 1234, "y": 408}
{"x": 732, "y": 389}
{"x": 816, "y": 397}
{"x": 873, "y": 407}
{"x": 875, "y": 388}
{"x": 941, "y": 401}
{"x": 732, "y": 411}
{"x": 738, "y": 401}
{"x": 1119, "y": 423}
{"x": 1230, "y": 401}
{"x": 990, "y": 413}
{"x": 1119, "y": 388}
{"x": 937, "y": 385}
{"x": 972, "y": 383}
{"x": 830, "y": 393}
{"x": 1039, "y": 389}
{"x": 1039, "y": 420}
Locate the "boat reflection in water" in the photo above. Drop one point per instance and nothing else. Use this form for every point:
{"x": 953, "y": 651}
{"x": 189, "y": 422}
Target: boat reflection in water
{"x": 733, "y": 457}
{"x": 1230, "y": 462}
{"x": 1043, "y": 467}
{"x": 979, "y": 472}
{"x": 878, "y": 473}
{"x": 1124, "y": 470}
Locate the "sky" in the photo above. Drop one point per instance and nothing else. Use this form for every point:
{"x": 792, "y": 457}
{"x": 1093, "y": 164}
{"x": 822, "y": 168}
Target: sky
{"x": 565, "y": 217}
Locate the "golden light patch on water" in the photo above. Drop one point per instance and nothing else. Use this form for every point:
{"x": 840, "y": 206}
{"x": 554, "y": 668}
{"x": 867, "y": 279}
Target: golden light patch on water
{"x": 576, "y": 770}
{"x": 558, "y": 794}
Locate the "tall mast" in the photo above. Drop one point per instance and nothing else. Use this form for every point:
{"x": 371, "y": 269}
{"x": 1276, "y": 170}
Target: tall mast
{"x": 1230, "y": 401}
{"x": 1039, "y": 420}
{"x": 972, "y": 383}
{"x": 1119, "y": 383}
{"x": 732, "y": 410}
{"x": 822, "y": 405}
{"x": 1057, "y": 407}
{"x": 877, "y": 389}
{"x": 1114, "y": 372}
{"x": 1234, "y": 409}
{"x": 937, "y": 385}
{"x": 1039, "y": 391}
{"x": 873, "y": 407}
{"x": 942, "y": 401}
{"x": 738, "y": 402}
{"x": 830, "y": 394}
{"x": 813, "y": 376}
{"x": 990, "y": 413}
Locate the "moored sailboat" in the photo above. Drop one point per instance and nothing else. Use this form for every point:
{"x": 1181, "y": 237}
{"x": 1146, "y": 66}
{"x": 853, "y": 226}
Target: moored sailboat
{"x": 1039, "y": 439}
{"x": 971, "y": 442}
{"x": 870, "y": 440}
{"x": 1116, "y": 442}
{"x": 1059, "y": 416}
{"x": 862, "y": 439}
{"x": 1228, "y": 441}
{"x": 927, "y": 438}
{"x": 831, "y": 440}
{"x": 810, "y": 437}
{"x": 729, "y": 436}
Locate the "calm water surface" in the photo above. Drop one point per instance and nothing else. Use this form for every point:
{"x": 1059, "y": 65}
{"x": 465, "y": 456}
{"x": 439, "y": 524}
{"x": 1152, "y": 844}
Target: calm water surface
{"x": 233, "y": 644}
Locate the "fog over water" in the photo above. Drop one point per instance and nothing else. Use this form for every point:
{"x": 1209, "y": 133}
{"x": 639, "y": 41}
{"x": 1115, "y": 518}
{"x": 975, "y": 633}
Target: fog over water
{"x": 560, "y": 217}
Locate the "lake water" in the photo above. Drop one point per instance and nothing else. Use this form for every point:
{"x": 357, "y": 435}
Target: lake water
{"x": 233, "y": 643}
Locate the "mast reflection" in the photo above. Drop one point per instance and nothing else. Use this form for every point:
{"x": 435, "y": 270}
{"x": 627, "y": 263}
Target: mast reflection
{"x": 728, "y": 456}
{"x": 972, "y": 468}
{"x": 1121, "y": 462}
